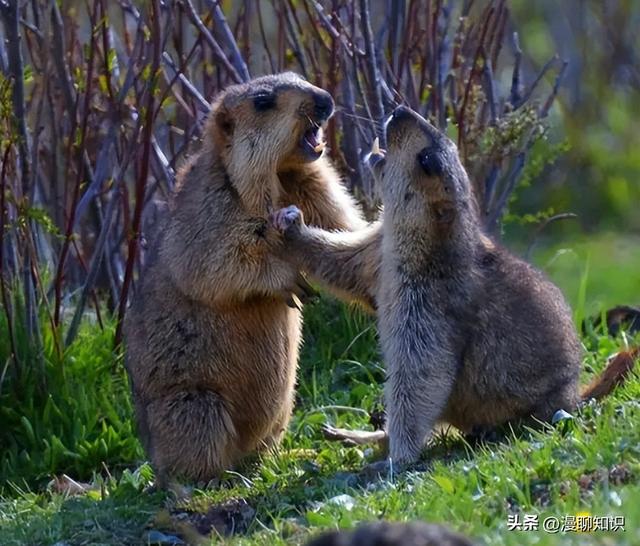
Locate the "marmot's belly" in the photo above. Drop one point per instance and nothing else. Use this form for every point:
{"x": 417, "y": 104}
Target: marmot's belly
{"x": 246, "y": 356}
{"x": 259, "y": 368}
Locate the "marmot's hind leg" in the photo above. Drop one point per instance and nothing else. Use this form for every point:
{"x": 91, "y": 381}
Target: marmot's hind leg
{"x": 192, "y": 436}
{"x": 420, "y": 377}
{"x": 141, "y": 421}
{"x": 557, "y": 397}
{"x": 279, "y": 426}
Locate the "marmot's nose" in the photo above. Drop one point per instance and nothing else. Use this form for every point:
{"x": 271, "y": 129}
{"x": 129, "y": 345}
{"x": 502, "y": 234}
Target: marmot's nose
{"x": 402, "y": 112}
{"x": 398, "y": 118}
{"x": 323, "y": 105}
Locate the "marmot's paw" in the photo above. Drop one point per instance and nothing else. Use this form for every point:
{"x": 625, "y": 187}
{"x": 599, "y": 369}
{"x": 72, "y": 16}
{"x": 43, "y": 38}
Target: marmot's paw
{"x": 283, "y": 219}
{"x": 301, "y": 293}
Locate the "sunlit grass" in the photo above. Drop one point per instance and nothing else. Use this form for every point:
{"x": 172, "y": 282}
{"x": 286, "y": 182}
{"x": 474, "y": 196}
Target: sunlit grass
{"x": 612, "y": 265}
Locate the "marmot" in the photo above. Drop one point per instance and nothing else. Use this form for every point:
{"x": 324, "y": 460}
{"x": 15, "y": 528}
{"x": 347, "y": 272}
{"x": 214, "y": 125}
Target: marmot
{"x": 385, "y": 533}
{"x": 470, "y": 334}
{"x": 211, "y": 336}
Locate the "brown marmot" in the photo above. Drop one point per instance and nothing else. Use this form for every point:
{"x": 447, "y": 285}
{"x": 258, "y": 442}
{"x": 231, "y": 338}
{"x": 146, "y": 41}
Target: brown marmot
{"x": 470, "y": 334}
{"x": 211, "y": 336}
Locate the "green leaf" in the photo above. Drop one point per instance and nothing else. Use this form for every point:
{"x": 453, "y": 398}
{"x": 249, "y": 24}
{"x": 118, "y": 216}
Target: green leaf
{"x": 445, "y": 484}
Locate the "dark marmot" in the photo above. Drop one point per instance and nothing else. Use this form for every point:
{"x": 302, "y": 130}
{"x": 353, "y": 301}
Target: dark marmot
{"x": 470, "y": 334}
{"x": 211, "y": 336}
{"x": 385, "y": 533}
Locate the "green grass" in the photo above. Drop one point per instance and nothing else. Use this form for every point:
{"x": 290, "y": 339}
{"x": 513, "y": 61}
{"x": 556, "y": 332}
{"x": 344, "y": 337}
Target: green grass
{"x": 613, "y": 263}
{"x": 588, "y": 464}
{"x": 65, "y": 414}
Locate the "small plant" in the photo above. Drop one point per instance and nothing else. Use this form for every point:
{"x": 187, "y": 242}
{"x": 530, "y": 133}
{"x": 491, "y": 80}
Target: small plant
{"x": 73, "y": 416}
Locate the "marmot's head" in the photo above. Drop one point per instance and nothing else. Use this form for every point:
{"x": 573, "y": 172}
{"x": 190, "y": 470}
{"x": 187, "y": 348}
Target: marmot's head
{"x": 420, "y": 174}
{"x": 270, "y": 123}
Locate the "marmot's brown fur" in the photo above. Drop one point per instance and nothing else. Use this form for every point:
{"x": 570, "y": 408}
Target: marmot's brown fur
{"x": 212, "y": 341}
{"x": 470, "y": 334}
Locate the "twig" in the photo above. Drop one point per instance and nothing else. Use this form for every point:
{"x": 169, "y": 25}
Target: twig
{"x": 472, "y": 74}
{"x": 375, "y": 95}
{"x": 554, "y": 92}
{"x": 4, "y": 68}
{"x": 538, "y": 78}
{"x": 265, "y": 42}
{"x": 99, "y": 251}
{"x": 9, "y": 12}
{"x": 396, "y": 13}
{"x": 11, "y": 18}
{"x": 516, "y": 90}
{"x": 200, "y": 100}
{"x": 59, "y": 56}
{"x": 326, "y": 23}
{"x": 59, "y": 277}
{"x": 541, "y": 228}
{"x": 236, "y": 75}
{"x": 6, "y": 304}
{"x": 512, "y": 180}
{"x": 236, "y": 56}
{"x": 92, "y": 274}
{"x": 489, "y": 188}
{"x": 351, "y": 141}
{"x": 144, "y": 171}
{"x": 296, "y": 46}
{"x": 490, "y": 91}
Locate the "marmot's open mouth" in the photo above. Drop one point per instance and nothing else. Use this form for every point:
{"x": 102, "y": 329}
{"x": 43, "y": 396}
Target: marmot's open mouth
{"x": 313, "y": 142}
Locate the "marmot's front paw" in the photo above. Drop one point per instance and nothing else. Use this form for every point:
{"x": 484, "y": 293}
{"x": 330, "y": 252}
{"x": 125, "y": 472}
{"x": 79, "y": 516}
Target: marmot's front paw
{"x": 286, "y": 218}
{"x": 302, "y": 293}
{"x": 299, "y": 293}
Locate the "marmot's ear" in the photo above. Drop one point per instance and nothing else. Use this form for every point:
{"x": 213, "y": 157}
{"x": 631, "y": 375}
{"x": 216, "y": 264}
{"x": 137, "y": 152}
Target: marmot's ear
{"x": 223, "y": 121}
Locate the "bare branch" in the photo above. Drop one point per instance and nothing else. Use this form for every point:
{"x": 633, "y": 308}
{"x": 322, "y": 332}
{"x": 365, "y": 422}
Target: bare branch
{"x": 527, "y": 94}
{"x": 98, "y": 256}
{"x": 4, "y": 274}
{"x": 554, "y": 92}
{"x": 541, "y": 228}
{"x": 516, "y": 86}
{"x": 236, "y": 75}
{"x": 375, "y": 94}
{"x": 236, "y": 56}
{"x": 11, "y": 20}
{"x": 512, "y": 179}
{"x": 141, "y": 183}
{"x": 200, "y": 100}
{"x": 298, "y": 50}
{"x": 490, "y": 91}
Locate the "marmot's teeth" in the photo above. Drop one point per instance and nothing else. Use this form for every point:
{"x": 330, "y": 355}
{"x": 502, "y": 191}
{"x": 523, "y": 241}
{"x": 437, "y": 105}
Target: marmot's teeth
{"x": 319, "y": 147}
{"x": 375, "y": 148}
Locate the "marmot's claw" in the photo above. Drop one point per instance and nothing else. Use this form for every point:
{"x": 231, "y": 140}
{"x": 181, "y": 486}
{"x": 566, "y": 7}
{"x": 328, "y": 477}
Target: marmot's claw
{"x": 283, "y": 219}
{"x": 304, "y": 290}
{"x": 294, "y": 302}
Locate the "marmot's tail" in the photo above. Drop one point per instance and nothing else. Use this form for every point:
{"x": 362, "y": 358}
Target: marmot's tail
{"x": 613, "y": 375}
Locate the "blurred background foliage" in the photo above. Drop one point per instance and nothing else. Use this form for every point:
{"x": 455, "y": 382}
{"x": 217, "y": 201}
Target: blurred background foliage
{"x": 597, "y": 113}
{"x": 595, "y": 139}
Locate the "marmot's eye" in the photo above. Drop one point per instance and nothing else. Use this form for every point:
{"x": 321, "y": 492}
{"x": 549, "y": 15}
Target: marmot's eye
{"x": 264, "y": 101}
{"x": 431, "y": 162}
